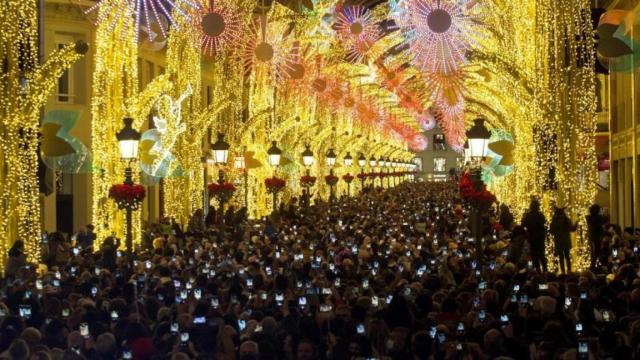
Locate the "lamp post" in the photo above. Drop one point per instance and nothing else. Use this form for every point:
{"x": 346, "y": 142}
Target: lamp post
{"x": 478, "y": 138}
{"x": 394, "y": 166}
{"x": 387, "y": 163}
{"x": 372, "y": 170}
{"x": 348, "y": 161}
{"x": 128, "y": 140}
{"x": 331, "y": 161}
{"x": 274, "y": 153}
{"x": 220, "y": 152}
{"x": 381, "y": 163}
{"x": 240, "y": 164}
{"x": 307, "y": 161}
{"x": 362, "y": 161}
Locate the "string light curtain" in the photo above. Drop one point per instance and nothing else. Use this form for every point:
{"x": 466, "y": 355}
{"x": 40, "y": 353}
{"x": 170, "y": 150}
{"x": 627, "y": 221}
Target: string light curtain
{"x": 25, "y": 86}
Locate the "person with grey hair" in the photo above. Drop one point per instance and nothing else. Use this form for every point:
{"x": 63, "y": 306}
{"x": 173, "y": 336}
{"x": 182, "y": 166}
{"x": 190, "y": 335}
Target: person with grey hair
{"x": 249, "y": 350}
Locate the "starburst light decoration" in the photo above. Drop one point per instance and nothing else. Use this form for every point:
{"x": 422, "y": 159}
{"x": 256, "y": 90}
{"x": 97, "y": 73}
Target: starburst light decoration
{"x": 219, "y": 25}
{"x": 145, "y": 12}
{"x": 268, "y": 50}
{"x": 439, "y": 32}
{"x": 357, "y": 31}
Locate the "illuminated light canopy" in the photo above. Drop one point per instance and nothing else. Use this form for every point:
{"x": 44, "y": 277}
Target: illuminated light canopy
{"x": 219, "y": 26}
{"x": 144, "y": 12}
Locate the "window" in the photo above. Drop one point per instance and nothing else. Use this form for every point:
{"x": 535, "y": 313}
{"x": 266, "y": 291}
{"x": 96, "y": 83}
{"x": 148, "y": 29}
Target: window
{"x": 439, "y": 165}
{"x": 65, "y": 82}
{"x": 460, "y": 163}
{"x": 438, "y": 142}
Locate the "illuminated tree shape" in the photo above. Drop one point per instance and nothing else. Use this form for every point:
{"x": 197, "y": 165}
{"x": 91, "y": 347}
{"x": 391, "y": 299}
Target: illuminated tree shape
{"x": 24, "y": 89}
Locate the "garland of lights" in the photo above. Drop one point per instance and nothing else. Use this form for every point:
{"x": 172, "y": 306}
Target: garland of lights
{"x": 25, "y": 87}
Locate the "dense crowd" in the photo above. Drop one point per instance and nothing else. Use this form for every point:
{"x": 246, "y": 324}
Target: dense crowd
{"x": 389, "y": 274}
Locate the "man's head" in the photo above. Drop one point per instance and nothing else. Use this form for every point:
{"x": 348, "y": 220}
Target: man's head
{"x": 249, "y": 350}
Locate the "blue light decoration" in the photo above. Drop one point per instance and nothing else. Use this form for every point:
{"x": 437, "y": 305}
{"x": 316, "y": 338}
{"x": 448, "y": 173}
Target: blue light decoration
{"x": 499, "y": 161}
{"x": 59, "y": 150}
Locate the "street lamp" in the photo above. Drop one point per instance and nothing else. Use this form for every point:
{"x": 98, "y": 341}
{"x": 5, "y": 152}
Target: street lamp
{"x": 128, "y": 140}
{"x": 478, "y": 138}
{"x": 362, "y": 162}
{"x": 220, "y": 152}
{"x": 307, "y": 157}
{"x": 331, "y": 161}
{"x": 348, "y": 160}
{"x": 308, "y": 160}
{"x": 274, "y": 153}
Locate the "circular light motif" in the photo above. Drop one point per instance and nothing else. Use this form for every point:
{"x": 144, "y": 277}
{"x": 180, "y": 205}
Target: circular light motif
{"x": 219, "y": 26}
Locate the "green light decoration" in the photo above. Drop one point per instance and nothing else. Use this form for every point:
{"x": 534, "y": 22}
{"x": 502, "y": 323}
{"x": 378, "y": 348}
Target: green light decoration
{"x": 61, "y": 151}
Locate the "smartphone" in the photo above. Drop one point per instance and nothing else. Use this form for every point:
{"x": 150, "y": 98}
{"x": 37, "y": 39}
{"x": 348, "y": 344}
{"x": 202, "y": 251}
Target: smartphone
{"x": 605, "y": 316}
{"x": 65, "y": 313}
{"x": 365, "y": 284}
{"x": 94, "y": 291}
{"x": 279, "y": 299}
{"x": 242, "y": 324}
{"x": 114, "y": 315}
{"x": 567, "y": 302}
{"x": 263, "y": 296}
{"x": 432, "y": 332}
{"x": 325, "y": 308}
{"x": 504, "y": 319}
{"x": 583, "y": 295}
{"x": 583, "y": 349}
{"x": 460, "y": 328}
{"x": 24, "y": 311}
{"x": 183, "y": 294}
{"x": 578, "y": 327}
{"x": 482, "y": 285}
{"x": 374, "y": 301}
{"x": 184, "y": 338}
{"x": 126, "y": 354}
{"x": 199, "y": 320}
{"x": 442, "y": 337}
{"x": 482, "y": 315}
{"x": 84, "y": 330}
{"x": 543, "y": 287}
{"x": 174, "y": 328}
{"x": 197, "y": 293}
{"x": 302, "y": 301}
{"x": 249, "y": 282}
{"x": 360, "y": 328}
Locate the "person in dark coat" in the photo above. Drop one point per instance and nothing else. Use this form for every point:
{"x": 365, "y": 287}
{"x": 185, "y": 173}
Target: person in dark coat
{"x": 518, "y": 238}
{"x": 561, "y": 228}
{"x": 109, "y": 251}
{"x": 17, "y": 259}
{"x": 506, "y": 218}
{"x": 535, "y": 224}
{"x": 595, "y": 230}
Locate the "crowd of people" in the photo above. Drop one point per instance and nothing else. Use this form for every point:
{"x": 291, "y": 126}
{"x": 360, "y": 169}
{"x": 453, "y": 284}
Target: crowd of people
{"x": 388, "y": 274}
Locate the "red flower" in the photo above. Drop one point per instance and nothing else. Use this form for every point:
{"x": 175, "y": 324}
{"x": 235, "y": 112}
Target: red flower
{"x": 127, "y": 196}
{"x": 331, "y": 180}
{"x": 308, "y": 180}
{"x": 475, "y": 191}
{"x": 222, "y": 191}
{"x": 348, "y": 178}
{"x": 274, "y": 184}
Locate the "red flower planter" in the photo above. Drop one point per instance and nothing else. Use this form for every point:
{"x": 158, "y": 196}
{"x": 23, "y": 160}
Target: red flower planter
{"x": 223, "y": 192}
{"x": 274, "y": 184}
{"x": 308, "y": 180}
{"x": 127, "y": 196}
